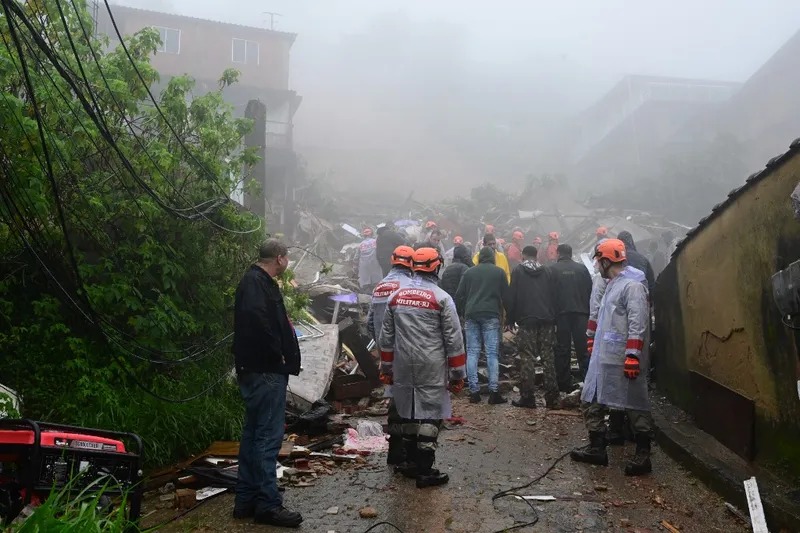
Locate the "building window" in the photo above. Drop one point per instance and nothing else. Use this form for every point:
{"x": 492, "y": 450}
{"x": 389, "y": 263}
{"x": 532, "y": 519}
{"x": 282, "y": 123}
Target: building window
{"x": 170, "y": 40}
{"x": 243, "y": 51}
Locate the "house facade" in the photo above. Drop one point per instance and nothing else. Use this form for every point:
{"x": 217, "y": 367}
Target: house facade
{"x": 204, "y": 49}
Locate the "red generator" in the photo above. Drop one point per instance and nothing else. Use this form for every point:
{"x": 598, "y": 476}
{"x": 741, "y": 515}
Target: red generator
{"x": 38, "y": 457}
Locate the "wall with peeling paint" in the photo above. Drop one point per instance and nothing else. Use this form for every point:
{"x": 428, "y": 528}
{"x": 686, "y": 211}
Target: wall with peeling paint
{"x": 716, "y": 315}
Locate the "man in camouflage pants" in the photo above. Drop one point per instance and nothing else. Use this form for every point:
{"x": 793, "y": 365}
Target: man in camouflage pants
{"x": 531, "y": 306}
{"x": 537, "y": 342}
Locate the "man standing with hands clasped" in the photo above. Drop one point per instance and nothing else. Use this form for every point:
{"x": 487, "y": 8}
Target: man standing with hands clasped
{"x": 266, "y": 351}
{"x": 617, "y": 376}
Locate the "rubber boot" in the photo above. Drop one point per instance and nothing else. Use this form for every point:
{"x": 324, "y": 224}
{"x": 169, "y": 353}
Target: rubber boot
{"x": 397, "y": 452}
{"x": 616, "y": 423}
{"x": 593, "y": 453}
{"x": 427, "y": 475}
{"x": 409, "y": 466}
{"x": 640, "y": 462}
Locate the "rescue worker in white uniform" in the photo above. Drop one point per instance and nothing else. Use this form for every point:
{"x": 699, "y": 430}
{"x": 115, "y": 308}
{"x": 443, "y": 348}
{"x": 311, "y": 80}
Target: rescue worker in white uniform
{"x": 399, "y": 277}
{"x": 619, "y": 361}
{"x": 422, "y": 349}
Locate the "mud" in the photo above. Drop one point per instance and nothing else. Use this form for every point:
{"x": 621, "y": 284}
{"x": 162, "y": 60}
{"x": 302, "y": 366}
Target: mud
{"x": 500, "y": 447}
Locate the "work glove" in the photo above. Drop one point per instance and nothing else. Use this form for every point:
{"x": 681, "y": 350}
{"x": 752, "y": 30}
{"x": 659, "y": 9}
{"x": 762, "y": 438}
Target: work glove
{"x": 456, "y": 386}
{"x": 386, "y": 379}
{"x": 631, "y": 366}
{"x": 590, "y": 345}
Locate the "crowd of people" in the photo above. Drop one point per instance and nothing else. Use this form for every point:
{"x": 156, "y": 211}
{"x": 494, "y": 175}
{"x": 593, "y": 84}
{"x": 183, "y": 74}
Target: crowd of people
{"x": 433, "y": 313}
{"x": 437, "y": 311}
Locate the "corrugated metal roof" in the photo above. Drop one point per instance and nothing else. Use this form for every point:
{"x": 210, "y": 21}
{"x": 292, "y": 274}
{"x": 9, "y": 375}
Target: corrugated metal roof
{"x": 753, "y": 179}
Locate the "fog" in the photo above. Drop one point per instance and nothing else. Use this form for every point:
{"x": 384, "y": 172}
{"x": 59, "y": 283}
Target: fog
{"x": 445, "y": 95}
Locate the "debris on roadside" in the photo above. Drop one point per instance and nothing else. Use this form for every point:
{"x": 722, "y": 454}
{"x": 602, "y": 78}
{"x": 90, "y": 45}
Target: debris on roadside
{"x": 367, "y": 512}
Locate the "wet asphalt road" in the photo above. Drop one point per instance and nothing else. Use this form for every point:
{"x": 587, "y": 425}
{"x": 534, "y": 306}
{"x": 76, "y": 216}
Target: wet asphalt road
{"x": 498, "y": 448}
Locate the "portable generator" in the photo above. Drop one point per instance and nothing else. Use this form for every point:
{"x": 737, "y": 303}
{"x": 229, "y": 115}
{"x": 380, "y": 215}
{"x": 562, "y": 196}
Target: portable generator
{"x": 38, "y": 457}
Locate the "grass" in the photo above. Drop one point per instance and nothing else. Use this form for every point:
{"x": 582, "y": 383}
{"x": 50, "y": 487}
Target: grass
{"x": 64, "y": 512}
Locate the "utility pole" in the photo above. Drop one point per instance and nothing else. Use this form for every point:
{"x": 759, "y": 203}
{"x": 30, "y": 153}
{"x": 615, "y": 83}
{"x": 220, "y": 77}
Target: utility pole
{"x": 272, "y": 18}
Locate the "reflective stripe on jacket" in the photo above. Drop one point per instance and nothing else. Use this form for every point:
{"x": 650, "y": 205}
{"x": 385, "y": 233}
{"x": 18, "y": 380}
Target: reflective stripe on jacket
{"x": 398, "y": 278}
{"x": 622, "y": 329}
{"x": 422, "y": 347}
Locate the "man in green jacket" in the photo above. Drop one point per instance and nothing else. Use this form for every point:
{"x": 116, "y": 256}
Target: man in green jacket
{"x": 479, "y": 299}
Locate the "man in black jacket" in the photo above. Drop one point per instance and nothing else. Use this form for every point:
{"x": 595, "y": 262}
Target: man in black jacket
{"x": 573, "y": 290}
{"x": 637, "y": 260}
{"x": 388, "y": 240}
{"x": 266, "y": 351}
{"x": 453, "y": 273}
{"x": 531, "y": 306}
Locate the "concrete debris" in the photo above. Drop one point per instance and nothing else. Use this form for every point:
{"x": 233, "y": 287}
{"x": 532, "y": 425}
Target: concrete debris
{"x": 185, "y": 498}
{"x": 367, "y": 512}
{"x": 332, "y": 510}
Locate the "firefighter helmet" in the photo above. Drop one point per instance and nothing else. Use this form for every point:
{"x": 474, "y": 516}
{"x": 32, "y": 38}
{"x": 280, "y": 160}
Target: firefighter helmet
{"x": 426, "y": 260}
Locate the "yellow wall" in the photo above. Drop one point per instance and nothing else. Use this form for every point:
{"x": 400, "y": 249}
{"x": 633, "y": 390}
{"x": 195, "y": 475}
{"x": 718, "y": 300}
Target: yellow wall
{"x": 723, "y": 275}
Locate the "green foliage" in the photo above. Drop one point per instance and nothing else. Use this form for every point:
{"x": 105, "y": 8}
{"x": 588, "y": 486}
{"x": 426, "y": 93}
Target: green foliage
{"x": 160, "y": 286}
{"x": 64, "y": 510}
{"x": 7, "y": 407}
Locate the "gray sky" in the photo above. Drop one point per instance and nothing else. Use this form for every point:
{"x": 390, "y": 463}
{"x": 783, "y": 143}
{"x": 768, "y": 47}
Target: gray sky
{"x": 477, "y": 88}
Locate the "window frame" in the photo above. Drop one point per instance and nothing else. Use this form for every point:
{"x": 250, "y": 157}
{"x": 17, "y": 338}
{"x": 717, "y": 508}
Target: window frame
{"x": 164, "y": 43}
{"x": 246, "y": 41}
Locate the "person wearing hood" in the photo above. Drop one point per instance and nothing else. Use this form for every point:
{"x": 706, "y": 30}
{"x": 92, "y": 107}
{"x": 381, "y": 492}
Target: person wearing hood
{"x": 531, "y": 306}
{"x": 637, "y": 260}
{"x": 500, "y": 260}
{"x": 573, "y": 291}
{"x": 479, "y": 299}
{"x": 619, "y": 361}
{"x": 398, "y": 278}
{"x": 452, "y": 275}
{"x": 388, "y": 240}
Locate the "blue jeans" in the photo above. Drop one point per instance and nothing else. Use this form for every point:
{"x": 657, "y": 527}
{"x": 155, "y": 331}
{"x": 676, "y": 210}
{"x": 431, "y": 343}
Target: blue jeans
{"x": 488, "y": 331}
{"x": 264, "y": 398}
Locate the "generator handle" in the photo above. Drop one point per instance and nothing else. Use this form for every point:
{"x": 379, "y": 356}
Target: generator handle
{"x": 97, "y": 432}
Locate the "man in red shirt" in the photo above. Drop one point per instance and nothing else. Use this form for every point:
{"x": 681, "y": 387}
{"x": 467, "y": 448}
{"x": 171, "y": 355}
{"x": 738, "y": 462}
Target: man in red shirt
{"x": 514, "y": 250}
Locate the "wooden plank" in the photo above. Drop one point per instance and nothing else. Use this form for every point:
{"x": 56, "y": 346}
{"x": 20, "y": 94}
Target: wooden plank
{"x": 669, "y": 527}
{"x": 757, "y": 518}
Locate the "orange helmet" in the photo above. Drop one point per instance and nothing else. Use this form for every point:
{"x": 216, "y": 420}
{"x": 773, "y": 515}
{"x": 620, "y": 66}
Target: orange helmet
{"x": 517, "y": 235}
{"x": 426, "y": 260}
{"x": 537, "y": 240}
{"x": 553, "y": 236}
{"x": 611, "y": 249}
{"x": 402, "y": 256}
{"x": 430, "y": 224}
{"x": 489, "y": 229}
{"x": 458, "y": 239}
{"x": 602, "y": 231}
{"x": 367, "y": 232}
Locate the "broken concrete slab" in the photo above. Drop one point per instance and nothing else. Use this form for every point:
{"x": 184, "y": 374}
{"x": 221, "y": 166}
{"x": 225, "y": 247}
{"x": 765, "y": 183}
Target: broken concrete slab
{"x": 318, "y": 356}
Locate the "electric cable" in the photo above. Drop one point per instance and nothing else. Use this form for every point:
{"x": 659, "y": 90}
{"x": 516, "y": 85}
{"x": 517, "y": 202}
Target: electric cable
{"x": 513, "y": 492}
{"x": 122, "y": 111}
{"x": 11, "y": 5}
{"x": 149, "y": 92}
{"x": 192, "y": 357}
